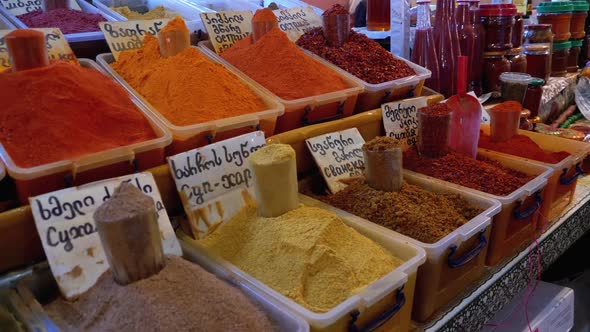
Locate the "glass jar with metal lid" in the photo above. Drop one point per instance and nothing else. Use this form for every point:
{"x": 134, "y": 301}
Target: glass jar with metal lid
{"x": 532, "y": 99}
{"x": 497, "y": 21}
{"x": 559, "y": 15}
{"x": 561, "y": 52}
{"x": 494, "y": 64}
{"x": 518, "y": 62}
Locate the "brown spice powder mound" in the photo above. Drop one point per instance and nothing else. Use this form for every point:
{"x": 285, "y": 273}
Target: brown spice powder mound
{"x": 423, "y": 215}
{"x": 182, "y": 297}
{"x": 381, "y": 143}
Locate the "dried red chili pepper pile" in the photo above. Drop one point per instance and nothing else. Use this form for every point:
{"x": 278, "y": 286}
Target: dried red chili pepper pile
{"x": 522, "y": 146}
{"x": 483, "y": 174}
{"x": 360, "y": 56}
{"x": 336, "y": 10}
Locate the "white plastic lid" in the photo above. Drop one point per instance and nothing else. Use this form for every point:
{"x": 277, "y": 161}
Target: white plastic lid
{"x": 512, "y": 77}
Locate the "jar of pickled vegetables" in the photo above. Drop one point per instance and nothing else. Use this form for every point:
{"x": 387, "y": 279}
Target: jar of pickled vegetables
{"x": 498, "y": 22}
{"x": 559, "y": 15}
{"x": 561, "y": 51}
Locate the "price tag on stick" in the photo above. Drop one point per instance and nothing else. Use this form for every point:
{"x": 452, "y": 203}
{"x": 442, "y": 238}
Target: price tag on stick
{"x": 58, "y": 48}
{"x": 128, "y": 35}
{"x": 213, "y": 180}
{"x": 297, "y": 21}
{"x": 400, "y": 120}
{"x": 226, "y": 28}
{"x": 339, "y": 155}
{"x": 65, "y": 224}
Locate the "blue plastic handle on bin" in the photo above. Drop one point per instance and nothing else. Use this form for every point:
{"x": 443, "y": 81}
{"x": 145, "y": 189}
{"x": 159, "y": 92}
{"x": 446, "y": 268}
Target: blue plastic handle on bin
{"x": 468, "y": 256}
{"x": 565, "y": 181}
{"x": 520, "y": 215}
{"x": 307, "y": 111}
{"x": 400, "y": 300}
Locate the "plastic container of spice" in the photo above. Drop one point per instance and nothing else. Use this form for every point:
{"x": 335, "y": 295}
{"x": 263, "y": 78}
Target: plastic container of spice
{"x": 81, "y": 42}
{"x": 514, "y": 86}
{"x": 374, "y": 95}
{"x": 498, "y": 22}
{"x": 37, "y": 285}
{"x": 386, "y": 302}
{"x": 453, "y": 262}
{"x": 574, "y": 55}
{"x": 559, "y": 15}
{"x": 562, "y": 180}
{"x": 106, "y": 164}
{"x": 305, "y": 111}
{"x": 561, "y": 51}
{"x": 200, "y": 134}
{"x": 579, "y": 15}
{"x": 190, "y": 12}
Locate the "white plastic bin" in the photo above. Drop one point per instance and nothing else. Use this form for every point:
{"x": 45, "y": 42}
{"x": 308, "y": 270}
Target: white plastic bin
{"x": 310, "y": 110}
{"x": 227, "y": 5}
{"x": 5, "y": 24}
{"x": 453, "y": 262}
{"x": 515, "y": 226}
{"x": 105, "y": 164}
{"x": 190, "y": 12}
{"x": 376, "y": 94}
{"x": 200, "y": 134}
{"x": 380, "y": 298}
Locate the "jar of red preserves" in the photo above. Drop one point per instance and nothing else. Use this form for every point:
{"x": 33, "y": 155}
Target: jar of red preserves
{"x": 517, "y": 30}
{"x": 574, "y": 55}
{"x": 579, "y": 14}
{"x": 532, "y": 99}
{"x": 494, "y": 64}
{"x": 537, "y": 43}
{"x": 561, "y": 51}
{"x": 518, "y": 62}
{"x": 497, "y": 21}
{"x": 559, "y": 15}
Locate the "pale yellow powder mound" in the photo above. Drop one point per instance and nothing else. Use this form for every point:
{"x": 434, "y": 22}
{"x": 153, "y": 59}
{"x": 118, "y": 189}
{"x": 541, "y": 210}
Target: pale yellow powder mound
{"x": 155, "y": 13}
{"x": 307, "y": 254}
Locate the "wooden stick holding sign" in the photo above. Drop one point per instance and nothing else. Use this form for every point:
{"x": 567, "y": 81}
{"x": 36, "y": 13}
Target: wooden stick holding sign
{"x": 128, "y": 228}
{"x": 26, "y": 49}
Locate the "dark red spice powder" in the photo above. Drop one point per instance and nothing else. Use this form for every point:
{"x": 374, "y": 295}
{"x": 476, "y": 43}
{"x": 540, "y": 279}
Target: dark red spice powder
{"x": 436, "y": 109}
{"x": 522, "y": 146}
{"x": 360, "y": 56}
{"x": 482, "y": 174}
{"x": 336, "y": 10}
{"x": 67, "y": 20}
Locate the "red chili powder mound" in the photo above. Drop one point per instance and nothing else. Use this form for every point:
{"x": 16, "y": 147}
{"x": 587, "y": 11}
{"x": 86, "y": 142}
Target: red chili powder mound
{"x": 264, "y": 15}
{"x": 67, "y": 20}
{"x": 436, "y": 109}
{"x": 507, "y": 106}
{"x": 65, "y": 111}
{"x": 280, "y": 66}
{"x": 484, "y": 175}
{"x": 522, "y": 146}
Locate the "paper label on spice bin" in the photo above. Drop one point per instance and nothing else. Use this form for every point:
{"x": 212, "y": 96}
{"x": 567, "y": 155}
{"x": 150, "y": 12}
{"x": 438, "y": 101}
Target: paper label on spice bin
{"x": 203, "y": 175}
{"x": 297, "y": 20}
{"x": 58, "y": 48}
{"x": 128, "y": 35}
{"x": 65, "y": 224}
{"x": 400, "y": 120}
{"x": 19, "y": 7}
{"x": 339, "y": 155}
{"x": 226, "y": 28}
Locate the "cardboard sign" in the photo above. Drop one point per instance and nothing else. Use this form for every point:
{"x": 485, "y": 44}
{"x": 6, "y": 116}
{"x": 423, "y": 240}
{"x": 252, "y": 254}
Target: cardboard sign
{"x": 56, "y": 43}
{"x": 400, "y": 120}
{"x": 128, "y": 35}
{"x": 69, "y": 236}
{"x": 19, "y": 7}
{"x": 297, "y": 21}
{"x": 339, "y": 155}
{"x": 204, "y": 174}
{"x": 226, "y": 28}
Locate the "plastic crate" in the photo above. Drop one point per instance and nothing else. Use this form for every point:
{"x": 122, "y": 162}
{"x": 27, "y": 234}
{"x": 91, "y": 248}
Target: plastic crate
{"x": 562, "y": 183}
{"x": 376, "y": 94}
{"x": 378, "y": 303}
{"x": 227, "y": 5}
{"x": 200, "y": 134}
{"x": 310, "y": 110}
{"x": 190, "y": 12}
{"x": 105, "y": 164}
{"x": 37, "y": 285}
{"x": 81, "y": 43}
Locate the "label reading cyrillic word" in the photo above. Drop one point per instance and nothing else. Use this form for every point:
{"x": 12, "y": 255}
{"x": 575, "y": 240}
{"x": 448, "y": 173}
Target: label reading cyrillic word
{"x": 400, "y": 120}
{"x": 65, "y": 224}
{"x": 58, "y": 48}
{"x": 339, "y": 155}
{"x": 297, "y": 21}
{"x": 128, "y": 35}
{"x": 201, "y": 175}
{"x": 226, "y": 28}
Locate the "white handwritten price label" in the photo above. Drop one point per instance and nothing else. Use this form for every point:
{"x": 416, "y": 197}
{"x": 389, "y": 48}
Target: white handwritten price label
{"x": 400, "y": 120}
{"x": 297, "y": 21}
{"x": 226, "y": 28}
{"x": 19, "y": 7}
{"x": 58, "y": 48}
{"x": 339, "y": 155}
{"x": 204, "y": 174}
{"x": 128, "y": 35}
{"x": 65, "y": 224}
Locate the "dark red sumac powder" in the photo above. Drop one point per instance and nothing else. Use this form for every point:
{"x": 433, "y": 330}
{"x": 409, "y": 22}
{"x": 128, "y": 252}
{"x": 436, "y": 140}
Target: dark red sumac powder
{"x": 67, "y": 20}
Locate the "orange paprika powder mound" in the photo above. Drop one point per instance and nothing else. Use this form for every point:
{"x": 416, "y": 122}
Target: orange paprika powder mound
{"x": 264, "y": 15}
{"x": 522, "y": 146}
{"x": 279, "y": 65}
{"x": 187, "y": 88}
{"x": 64, "y": 111}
